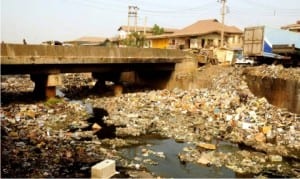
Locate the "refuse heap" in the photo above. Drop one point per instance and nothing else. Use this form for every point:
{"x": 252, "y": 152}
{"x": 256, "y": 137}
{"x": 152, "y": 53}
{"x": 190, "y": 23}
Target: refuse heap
{"x": 57, "y": 138}
{"x": 225, "y": 111}
{"x": 275, "y": 71}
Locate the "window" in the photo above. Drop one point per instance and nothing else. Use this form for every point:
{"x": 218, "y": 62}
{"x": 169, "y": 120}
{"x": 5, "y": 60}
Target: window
{"x": 173, "y": 41}
{"x": 210, "y": 42}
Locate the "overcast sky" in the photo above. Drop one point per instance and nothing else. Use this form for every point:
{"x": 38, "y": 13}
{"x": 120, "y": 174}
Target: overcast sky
{"x": 42, "y": 20}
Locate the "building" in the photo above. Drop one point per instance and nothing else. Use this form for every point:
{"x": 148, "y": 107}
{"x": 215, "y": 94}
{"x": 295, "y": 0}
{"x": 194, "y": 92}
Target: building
{"x": 123, "y": 30}
{"x": 202, "y": 34}
{"x": 293, "y": 27}
{"x": 96, "y": 41}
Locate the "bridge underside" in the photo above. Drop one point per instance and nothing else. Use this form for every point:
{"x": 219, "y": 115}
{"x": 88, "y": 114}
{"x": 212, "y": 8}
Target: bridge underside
{"x": 157, "y": 76}
{"x": 81, "y": 68}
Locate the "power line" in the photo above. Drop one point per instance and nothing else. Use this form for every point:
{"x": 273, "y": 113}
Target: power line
{"x": 204, "y": 9}
{"x": 188, "y": 10}
{"x": 269, "y": 9}
{"x": 107, "y": 3}
{"x": 261, "y": 12}
{"x": 90, "y": 4}
{"x": 208, "y": 8}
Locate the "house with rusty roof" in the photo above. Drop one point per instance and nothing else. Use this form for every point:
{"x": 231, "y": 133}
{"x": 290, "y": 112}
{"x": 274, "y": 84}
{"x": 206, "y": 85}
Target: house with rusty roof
{"x": 96, "y": 41}
{"x": 147, "y": 31}
{"x": 202, "y": 34}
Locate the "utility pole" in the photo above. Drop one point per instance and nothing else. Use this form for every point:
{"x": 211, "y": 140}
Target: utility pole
{"x": 135, "y": 14}
{"x": 223, "y": 2}
{"x": 128, "y": 20}
{"x": 132, "y": 13}
{"x": 145, "y": 24}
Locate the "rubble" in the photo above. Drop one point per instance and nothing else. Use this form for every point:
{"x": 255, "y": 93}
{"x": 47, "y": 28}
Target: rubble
{"x": 227, "y": 110}
{"x": 275, "y": 71}
{"x": 58, "y": 136}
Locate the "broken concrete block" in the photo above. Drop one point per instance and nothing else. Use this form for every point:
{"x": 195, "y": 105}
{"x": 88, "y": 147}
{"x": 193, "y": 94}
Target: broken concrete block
{"x": 104, "y": 169}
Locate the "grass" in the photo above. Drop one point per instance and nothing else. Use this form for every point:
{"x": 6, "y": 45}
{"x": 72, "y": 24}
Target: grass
{"x": 53, "y": 101}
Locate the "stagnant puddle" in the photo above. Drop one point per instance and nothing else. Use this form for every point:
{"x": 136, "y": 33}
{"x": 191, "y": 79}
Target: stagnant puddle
{"x": 164, "y": 160}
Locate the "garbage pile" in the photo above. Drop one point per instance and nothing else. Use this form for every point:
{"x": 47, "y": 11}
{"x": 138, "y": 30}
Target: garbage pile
{"x": 275, "y": 71}
{"x": 226, "y": 111}
{"x": 47, "y": 139}
{"x": 62, "y": 138}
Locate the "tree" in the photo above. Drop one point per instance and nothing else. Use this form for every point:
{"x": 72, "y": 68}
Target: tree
{"x": 156, "y": 30}
{"x": 135, "y": 39}
{"x": 139, "y": 39}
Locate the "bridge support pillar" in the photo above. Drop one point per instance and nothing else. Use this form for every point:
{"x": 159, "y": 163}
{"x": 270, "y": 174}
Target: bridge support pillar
{"x": 184, "y": 75}
{"x": 40, "y": 81}
{"x": 45, "y": 85}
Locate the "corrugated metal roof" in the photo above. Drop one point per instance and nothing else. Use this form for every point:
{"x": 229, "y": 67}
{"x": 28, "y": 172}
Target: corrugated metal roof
{"x": 281, "y": 37}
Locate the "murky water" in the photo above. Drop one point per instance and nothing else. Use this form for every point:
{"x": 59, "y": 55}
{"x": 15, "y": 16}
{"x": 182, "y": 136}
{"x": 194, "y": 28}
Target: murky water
{"x": 170, "y": 166}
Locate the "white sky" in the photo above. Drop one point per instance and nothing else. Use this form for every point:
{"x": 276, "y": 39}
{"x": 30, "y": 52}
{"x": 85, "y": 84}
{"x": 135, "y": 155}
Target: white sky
{"x": 42, "y": 20}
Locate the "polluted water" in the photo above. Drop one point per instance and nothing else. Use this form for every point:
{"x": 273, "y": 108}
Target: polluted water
{"x": 222, "y": 130}
{"x": 160, "y": 157}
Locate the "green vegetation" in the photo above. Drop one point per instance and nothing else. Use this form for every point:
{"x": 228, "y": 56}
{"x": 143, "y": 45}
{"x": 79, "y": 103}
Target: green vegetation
{"x": 156, "y": 30}
{"x": 53, "y": 101}
{"x": 135, "y": 39}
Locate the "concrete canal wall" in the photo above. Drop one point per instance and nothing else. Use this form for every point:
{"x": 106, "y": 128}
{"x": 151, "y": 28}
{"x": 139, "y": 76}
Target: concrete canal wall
{"x": 284, "y": 93}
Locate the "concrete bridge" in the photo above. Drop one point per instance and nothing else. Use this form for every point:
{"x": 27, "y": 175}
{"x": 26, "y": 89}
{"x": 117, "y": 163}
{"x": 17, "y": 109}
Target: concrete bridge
{"x": 156, "y": 67}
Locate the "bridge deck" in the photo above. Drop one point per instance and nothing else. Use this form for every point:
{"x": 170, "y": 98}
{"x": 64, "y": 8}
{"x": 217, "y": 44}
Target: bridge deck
{"x": 15, "y": 54}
